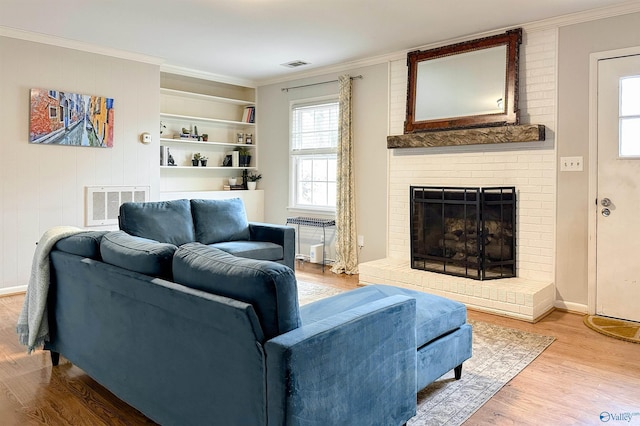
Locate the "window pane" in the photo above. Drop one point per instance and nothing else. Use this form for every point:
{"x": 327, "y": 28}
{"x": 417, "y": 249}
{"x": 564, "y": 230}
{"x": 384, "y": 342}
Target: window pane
{"x": 306, "y": 170}
{"x": 629, "y": 137}
{"x": 320, "y": 194}
{"x": 331, "y": 169}
{"x": 331, "y": 187}
{"x": 320, "y": 169}
{"x": 630, "y": 96}
{"x": 304, "y": 193}
{"x": 315, "y": 126}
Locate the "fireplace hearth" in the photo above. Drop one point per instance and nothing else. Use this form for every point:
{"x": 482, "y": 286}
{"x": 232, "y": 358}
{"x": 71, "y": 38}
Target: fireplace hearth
{"x": 468, "y": 232}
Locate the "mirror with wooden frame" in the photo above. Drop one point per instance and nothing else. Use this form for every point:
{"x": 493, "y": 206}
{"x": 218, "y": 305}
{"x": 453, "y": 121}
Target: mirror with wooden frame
{"x": 468, "y": 84}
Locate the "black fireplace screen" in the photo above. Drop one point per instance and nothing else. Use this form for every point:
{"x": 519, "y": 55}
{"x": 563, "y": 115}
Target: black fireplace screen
{"x": 468, "y": 232}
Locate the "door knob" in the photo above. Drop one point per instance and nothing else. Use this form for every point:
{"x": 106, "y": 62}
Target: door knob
{"x": 606, "y": 212}
{"x": 605, "y": 202}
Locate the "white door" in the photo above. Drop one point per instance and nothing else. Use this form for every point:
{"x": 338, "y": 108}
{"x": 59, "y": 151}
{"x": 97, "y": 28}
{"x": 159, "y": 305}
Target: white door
{"x": 618, "y": 196}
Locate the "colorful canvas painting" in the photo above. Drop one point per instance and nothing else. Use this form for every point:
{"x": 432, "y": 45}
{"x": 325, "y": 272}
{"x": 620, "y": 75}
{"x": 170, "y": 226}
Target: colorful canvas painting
{"x": 63, "y": 118}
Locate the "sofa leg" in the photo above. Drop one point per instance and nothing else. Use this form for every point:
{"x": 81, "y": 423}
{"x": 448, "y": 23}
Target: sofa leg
{"x": 458, "y": 372}
{"x": 55, "y": 358}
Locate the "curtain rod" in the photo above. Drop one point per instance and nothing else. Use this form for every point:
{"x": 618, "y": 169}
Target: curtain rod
{"x": 286, "y": 89}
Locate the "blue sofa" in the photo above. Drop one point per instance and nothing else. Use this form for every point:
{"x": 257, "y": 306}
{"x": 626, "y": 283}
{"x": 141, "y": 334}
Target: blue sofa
{"x": 219, "y": 223}
{"x": 192, "y": 334}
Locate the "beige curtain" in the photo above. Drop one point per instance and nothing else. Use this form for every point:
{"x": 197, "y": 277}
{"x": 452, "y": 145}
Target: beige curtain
{"x": 346, "y": 242}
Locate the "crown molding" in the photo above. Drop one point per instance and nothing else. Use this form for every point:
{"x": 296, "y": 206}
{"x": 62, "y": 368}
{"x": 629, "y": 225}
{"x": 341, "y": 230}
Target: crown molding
{"x": 77, "y": 45}
{"x": 205, "y": 75}
{"x": 586, "y": 16}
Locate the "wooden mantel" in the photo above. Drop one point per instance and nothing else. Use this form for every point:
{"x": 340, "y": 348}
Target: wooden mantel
{"x": 475, "y": 136}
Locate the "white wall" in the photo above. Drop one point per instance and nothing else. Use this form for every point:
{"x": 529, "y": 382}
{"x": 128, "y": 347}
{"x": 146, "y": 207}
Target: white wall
{"x": 370, "y": 118}
{"x": 43, "y": 186}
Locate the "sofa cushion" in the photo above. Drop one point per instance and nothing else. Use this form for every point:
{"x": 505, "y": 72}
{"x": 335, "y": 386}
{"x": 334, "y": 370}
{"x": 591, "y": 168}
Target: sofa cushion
{"x": 137, "y": 254}
{"x": 435, "y": 315}
{"x": 260, "y": 250}
{"x": 270, "y": 287}
{"x": 163, "y": 221}
{"x": 219, "y": 220}
{"x": 85, "y": 244}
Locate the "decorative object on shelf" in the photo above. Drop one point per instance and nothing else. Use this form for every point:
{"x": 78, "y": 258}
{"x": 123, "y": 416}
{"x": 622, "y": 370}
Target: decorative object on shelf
{"x": 195, "y": 161}
{"x": 233, "y": 181}
{"x": 227, "y": 161}
{"x": 205, "y": 137}
{"x": 233, "y": 187}
{"x": 252, "y": 180}
{"x": 203, "y": 161}
{"x": 63, "y": 118}
{"x": 240, "y": 138}
{"x": 162, "y": 127}
{"x": 164, "y": 155}
{"x": 166, "y": 159}
{"x": 248, "y": 139}
{"x": 244, "y": 157}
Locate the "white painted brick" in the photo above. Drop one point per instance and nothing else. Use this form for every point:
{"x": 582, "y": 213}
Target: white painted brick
{"x": 533, "y": 171}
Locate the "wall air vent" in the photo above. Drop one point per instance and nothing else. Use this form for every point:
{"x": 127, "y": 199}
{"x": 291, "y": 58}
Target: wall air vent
{"x": 102, "y": 203}
{"x": 295, "y": 64}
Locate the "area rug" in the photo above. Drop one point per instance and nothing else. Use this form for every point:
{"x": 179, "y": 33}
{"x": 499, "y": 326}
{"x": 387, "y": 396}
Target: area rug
{"x": 499, "y": 354}
{"x": 612, "y": 327}
{"x": 309, "y": 292}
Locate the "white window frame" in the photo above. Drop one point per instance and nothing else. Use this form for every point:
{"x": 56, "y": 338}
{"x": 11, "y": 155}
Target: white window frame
{"x": 322, "y": 152}
{"x": 622, "y": 118}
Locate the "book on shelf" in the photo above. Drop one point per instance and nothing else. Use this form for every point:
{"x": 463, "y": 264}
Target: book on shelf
{"x": 233, "y": 187}
{"x": 248, "y": 116}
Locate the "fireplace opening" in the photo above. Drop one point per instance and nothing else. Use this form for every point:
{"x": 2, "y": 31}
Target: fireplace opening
{"x": 467, "y": 232}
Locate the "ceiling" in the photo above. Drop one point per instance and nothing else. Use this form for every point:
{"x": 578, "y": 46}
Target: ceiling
{"x": 250, "y": 39}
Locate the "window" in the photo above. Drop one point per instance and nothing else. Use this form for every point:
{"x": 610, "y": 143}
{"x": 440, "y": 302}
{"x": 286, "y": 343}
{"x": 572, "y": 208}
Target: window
{"x": 314, "y": 142}
{"x": 630, "y": 117}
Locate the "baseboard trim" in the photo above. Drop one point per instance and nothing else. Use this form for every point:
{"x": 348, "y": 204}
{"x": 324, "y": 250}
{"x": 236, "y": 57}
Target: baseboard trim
{"x": 578, "y": 308}
{"x": 13, "y": 290}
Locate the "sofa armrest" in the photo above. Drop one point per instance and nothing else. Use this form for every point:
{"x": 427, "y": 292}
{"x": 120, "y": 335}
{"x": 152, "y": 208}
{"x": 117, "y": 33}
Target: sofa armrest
{"x": 356, "y": 367}
{"x": 277, "y": 234}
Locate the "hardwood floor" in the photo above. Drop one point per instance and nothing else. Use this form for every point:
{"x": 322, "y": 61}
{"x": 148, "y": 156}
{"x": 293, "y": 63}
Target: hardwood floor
{"x": 581, "y": 375}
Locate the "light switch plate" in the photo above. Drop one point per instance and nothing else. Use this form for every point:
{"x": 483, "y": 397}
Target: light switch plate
{"x": 571, "y": 164}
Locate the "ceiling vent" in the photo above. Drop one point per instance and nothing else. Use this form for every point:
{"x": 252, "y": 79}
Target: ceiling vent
{"x": 295, "y": 64}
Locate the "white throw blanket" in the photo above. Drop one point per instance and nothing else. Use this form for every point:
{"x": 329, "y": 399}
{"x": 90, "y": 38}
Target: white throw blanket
{"x": 33, "y": 324}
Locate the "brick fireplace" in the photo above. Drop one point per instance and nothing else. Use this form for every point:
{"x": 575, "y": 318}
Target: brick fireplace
{"x": 530, "y": 167}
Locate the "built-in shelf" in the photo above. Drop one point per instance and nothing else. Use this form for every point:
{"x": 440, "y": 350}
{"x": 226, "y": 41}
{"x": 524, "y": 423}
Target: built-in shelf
{"x": 197, "y": 142}
{"x": 204, "y": 119}
{"x": 475, "y": 136}
{"x": 206, "y": 168}
{"x": 205, "y": 97}
{"x": 218, "y": 110}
